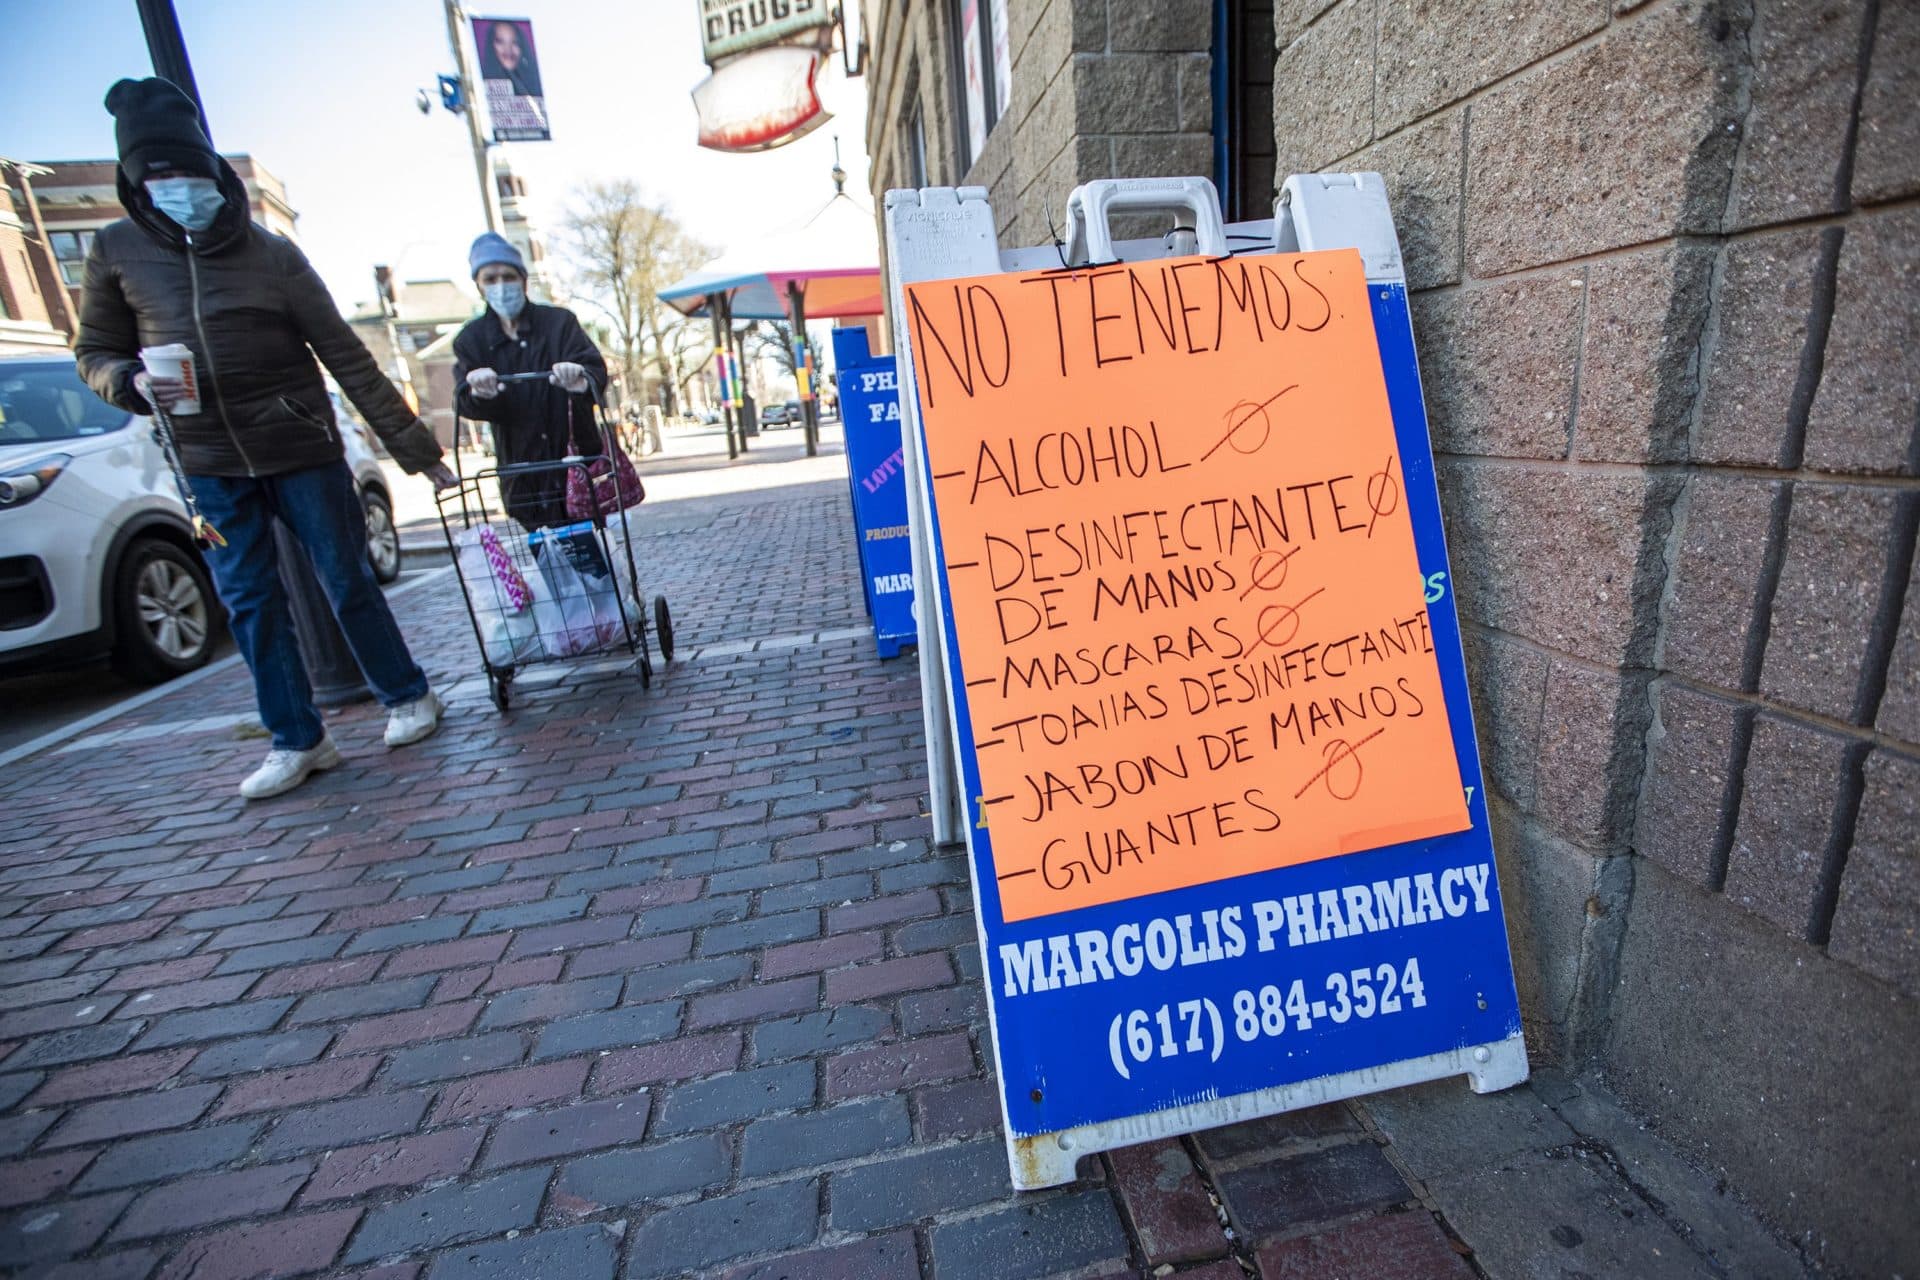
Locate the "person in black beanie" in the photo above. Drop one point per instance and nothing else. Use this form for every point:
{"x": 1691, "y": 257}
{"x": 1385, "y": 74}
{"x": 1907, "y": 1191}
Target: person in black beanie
{"x": 189, "y": 266}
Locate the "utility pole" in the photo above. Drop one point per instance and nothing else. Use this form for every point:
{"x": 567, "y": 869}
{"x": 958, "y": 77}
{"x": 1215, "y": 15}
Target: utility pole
{"x": 470, "y": 100}
{"x": 334, "y": 674}
{"x": 168, "y": 50}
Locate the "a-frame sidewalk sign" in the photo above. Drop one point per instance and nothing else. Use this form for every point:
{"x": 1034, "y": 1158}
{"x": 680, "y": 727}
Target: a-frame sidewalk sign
{"x": 1193, "y": 683}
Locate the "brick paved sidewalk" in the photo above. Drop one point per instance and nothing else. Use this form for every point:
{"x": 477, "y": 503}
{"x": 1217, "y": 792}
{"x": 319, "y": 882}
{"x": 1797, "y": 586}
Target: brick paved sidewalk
{"x": 651, "y": 984}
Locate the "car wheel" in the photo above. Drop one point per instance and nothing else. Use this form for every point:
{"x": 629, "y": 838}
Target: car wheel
{"x": 383, "y": 540}
{"x": 165, "y": 615}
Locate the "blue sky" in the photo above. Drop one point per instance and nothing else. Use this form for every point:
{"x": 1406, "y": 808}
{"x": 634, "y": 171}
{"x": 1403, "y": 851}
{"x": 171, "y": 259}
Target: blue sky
{"x": 321, "y": 91}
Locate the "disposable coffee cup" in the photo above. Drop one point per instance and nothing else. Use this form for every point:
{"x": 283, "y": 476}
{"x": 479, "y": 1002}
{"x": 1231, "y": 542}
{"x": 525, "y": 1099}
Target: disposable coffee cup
{"x": 175, "y": 360}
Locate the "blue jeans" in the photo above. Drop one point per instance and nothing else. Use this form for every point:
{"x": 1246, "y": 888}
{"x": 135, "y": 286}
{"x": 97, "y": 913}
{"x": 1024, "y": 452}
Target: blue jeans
{"x": 322, "y": 508}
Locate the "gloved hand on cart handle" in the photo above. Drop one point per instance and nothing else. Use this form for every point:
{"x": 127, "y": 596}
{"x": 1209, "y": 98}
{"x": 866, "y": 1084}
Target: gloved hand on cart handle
{"x": 164, "y": 392}
{"x": 570, "y": 378}
{"x": 484, "y": 383}
{"x": 441, "y": 475}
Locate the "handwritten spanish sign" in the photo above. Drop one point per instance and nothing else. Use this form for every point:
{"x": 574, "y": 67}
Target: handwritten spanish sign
{"x": 1188, "y": 602}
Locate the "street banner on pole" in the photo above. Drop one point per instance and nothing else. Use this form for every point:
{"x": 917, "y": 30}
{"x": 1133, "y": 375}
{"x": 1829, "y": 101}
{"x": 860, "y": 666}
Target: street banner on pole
{"x": 510, "y": 76}
{"x": 1208, "y": 700}
{"x": 870, "y": 417}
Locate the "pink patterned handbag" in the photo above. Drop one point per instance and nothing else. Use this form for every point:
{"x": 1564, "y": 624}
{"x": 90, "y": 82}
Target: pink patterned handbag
{"x": 604, "y": 485}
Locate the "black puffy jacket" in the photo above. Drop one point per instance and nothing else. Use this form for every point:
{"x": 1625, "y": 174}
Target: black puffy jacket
{"x": 531, "y": 420}
{"x": 255, "y": 314}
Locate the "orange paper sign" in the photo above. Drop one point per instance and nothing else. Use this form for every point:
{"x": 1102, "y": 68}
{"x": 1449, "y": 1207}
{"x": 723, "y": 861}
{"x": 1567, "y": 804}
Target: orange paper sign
{"x": 1192, "y": 627}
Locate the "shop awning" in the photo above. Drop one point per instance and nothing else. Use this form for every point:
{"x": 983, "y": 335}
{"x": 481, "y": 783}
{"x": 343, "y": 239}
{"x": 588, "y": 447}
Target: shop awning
{"x": 833, "y": 257}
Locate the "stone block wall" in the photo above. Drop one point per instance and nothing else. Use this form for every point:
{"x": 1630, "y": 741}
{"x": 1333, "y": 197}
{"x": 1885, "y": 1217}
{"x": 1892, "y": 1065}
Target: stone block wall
{"x": 1101, "y": 88}
{"x": 1667, "y": 263}
{"x": 1665, "y": 257}
{"x": 912, "y": 60}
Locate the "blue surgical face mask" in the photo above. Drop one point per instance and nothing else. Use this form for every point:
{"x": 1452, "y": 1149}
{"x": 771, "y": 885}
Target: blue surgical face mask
{"x": 506, "y": 297}
{"x": 192, "y": 202}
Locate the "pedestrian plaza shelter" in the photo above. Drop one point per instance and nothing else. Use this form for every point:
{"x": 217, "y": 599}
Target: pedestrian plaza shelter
{"x": 826, "y": 268}
{"x": 832, "y": 259}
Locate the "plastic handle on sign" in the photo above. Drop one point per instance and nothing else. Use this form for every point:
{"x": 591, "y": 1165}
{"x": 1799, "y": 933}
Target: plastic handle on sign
{"x": 1347, "y": 210}
{"x": 1090, "y": 238}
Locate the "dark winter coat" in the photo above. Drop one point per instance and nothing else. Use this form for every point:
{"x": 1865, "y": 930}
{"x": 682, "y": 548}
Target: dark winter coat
{"x": 255, "y": 315}
{"x": 530, "y": 419}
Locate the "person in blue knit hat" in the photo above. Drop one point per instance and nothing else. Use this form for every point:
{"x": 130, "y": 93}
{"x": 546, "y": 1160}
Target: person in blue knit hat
{"x": 531, "y": 420}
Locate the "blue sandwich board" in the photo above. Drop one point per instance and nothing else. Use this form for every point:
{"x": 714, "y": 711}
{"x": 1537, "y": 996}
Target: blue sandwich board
{"x": 1381, "y": 962}
{"x": 870, "y": 416}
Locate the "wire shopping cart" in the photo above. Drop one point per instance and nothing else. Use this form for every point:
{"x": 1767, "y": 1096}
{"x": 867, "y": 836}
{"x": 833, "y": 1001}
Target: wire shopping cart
{"x": 548, "y": 594}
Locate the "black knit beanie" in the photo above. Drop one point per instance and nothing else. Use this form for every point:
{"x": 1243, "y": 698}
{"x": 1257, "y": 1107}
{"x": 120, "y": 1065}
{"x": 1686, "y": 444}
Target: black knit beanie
{"x": 158, "y": 128}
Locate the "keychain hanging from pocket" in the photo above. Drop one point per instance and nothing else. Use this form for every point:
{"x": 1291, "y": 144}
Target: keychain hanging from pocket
{"x": 203, "y": 531}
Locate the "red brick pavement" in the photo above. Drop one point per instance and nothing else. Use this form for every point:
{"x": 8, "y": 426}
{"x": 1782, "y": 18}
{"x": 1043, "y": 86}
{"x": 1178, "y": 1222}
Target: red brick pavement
{"x": 626, "y": 982}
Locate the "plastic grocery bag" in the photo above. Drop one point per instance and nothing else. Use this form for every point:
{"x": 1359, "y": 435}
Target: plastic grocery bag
{"x": 509, "y": 633}
{"x": 510, "y": 639}
{"x": 578, "y": 610}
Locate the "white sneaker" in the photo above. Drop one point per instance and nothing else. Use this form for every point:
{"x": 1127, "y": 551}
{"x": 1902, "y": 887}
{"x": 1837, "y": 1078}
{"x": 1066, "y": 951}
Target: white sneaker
{"x": 284, "y": 769}
{"x": 411, "y": 721}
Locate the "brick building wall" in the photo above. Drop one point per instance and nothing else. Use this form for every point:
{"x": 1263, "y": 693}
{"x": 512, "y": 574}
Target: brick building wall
{"x": 1666, "y": 270}
{"x": 20, "y": 298}
{"x": 78, "y": 197}
{"x": 25, "y": 325}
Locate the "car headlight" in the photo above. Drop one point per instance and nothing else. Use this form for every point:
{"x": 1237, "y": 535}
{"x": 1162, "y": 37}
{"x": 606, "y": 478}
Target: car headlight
{"x": 21, "y": 485}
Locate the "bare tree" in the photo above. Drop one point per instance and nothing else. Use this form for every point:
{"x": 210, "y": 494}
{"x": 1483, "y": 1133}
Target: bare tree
{"x": 690, "y": 351}
{"x": 775, "y": 338}
{"x": 621, "y": 249}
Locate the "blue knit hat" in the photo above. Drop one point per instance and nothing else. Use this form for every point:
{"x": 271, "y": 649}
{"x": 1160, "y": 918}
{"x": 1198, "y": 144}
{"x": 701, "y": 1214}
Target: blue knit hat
{"x": 493, "y": 247}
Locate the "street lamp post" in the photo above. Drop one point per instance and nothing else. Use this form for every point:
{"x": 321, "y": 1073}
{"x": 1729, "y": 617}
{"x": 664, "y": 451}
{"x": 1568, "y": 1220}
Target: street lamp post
{"x": 335, "y": 676}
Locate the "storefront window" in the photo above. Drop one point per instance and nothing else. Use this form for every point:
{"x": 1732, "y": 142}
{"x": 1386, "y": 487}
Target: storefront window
{"x": 1244, "y": 156}
{"x": 917, "y": 147}
{"x": 985, "y": 72}
{"x": 70, "y": 251}
{"x": 1002, "y": 58}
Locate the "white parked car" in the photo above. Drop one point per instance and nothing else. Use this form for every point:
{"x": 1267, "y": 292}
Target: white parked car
{"x": 363, "y": 455}
{"x": 96, "y": 556}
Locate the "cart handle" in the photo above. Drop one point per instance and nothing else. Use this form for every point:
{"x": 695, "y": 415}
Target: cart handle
{"x": 571, "y": 460}
{"x": 544, "y": 375}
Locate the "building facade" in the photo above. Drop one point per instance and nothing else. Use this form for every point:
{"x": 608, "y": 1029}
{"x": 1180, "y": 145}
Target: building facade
{"x": 414, "y": 345}
{"x": 1666, "y": 263}
{"x": 75, "y": 198}
{"x": 27, "y": 313}
{"x": 518, "y": 226}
